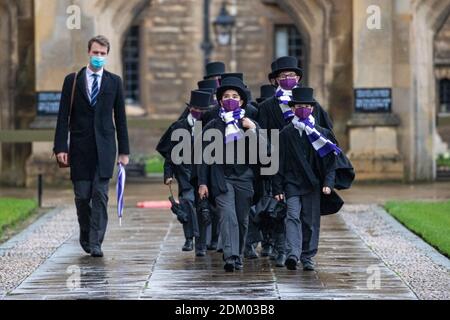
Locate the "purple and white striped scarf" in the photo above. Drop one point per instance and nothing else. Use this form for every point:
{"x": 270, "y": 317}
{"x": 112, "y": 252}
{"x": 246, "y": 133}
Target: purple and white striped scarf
{"x": 321, "y": 144}
{"x": 284, "y": 96}
{"x": 232, "y": 130}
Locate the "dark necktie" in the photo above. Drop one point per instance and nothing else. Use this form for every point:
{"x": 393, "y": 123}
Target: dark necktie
{"x": 95, "y": 89}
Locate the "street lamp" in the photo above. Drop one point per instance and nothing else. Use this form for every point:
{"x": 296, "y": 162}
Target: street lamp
{"x": 223, "y": 26}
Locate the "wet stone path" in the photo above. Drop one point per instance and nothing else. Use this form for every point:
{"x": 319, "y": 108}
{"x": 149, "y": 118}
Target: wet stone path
{"x": 143, "y": 260}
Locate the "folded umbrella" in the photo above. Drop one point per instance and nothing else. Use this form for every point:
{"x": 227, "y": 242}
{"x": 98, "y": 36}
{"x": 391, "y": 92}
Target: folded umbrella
{"x": 120, "y": 191}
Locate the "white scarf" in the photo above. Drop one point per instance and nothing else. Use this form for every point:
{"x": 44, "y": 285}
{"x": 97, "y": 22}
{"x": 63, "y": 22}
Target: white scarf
{"x": 232, "y": 130}
{"x": 191, "y": 121}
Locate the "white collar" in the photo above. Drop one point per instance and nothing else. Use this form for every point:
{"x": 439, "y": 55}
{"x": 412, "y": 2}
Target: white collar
{"x": 191, "y": 120}
{"x": 90, "y": 72}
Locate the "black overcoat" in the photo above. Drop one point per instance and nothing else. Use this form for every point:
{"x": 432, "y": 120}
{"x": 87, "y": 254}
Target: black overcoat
{"x": 93, "y": 130}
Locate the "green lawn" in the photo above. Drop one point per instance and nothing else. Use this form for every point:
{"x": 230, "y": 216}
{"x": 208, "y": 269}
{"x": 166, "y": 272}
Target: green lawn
{"x": 429, "y": 220}
{"x": 154, "y": 165}
{"x": 13, "y": 211}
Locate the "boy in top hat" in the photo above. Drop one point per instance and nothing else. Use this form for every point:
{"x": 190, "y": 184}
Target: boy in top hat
{"x": 230, "y": 184}
{"x": 209, "y": 86}
{"x": 306, "y": 175}
{"x": 186, "y": 174}
{"x": 250, "y": 110}
{"x": 275, "y": 113}
{"x": 214, "y": 70}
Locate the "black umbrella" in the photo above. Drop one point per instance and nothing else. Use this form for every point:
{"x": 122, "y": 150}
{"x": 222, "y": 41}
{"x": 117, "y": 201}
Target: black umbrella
{"x": 204, "y": 211}
{"x": 181, "y": 210}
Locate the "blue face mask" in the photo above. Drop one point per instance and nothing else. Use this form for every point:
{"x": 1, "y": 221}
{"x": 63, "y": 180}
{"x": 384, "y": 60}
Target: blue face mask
{"x": 98, "y": 62}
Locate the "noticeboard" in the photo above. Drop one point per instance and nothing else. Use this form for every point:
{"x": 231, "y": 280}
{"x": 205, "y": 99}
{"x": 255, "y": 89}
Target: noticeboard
{"x": 373, "y": 100}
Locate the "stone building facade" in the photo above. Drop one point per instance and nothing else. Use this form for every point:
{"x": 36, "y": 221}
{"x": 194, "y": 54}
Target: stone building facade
{"x": 156, "y": 47}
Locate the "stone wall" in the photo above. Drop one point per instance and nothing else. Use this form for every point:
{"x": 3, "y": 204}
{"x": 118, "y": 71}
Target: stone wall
{"x": 17, "y": 84}
{"x": 171, "y": 55}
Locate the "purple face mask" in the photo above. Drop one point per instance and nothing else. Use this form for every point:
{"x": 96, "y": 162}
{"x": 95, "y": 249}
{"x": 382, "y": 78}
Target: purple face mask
{"x": 231, "y": 105}
{"x": 288, "y": 84}
{"x": 303, "y": 113}
{"x": 196, "y": 114}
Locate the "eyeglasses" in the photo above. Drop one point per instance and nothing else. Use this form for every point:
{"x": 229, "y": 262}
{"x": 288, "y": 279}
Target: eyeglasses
{"x": 287, "y": 76}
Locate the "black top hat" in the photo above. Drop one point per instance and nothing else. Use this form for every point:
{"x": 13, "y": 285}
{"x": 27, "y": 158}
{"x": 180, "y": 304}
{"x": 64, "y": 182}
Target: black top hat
{"x": 273, "y": 67}
{"x": 303, "y": 95}
{"x": 287, "y": 64}
{"x": 238, "y": 75}
{"x": 330, "y": 204}
{"x": 200, "y": 100}
{"x": 209, "y": 90}
{"x": 232, "y": 83}
{"x": 208, "y": 84}
{"x": 267, "y": 91}
{"x": 214, "y": 69}
{"x": 213, "y": 99}
{"x": 212, "y": 92}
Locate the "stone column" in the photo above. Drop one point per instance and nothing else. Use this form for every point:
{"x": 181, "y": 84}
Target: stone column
{"x": 373, "y": 136}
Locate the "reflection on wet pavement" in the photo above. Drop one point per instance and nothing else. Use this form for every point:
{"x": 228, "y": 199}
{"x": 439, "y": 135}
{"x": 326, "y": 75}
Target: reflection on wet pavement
{"x": 143, "y": 260}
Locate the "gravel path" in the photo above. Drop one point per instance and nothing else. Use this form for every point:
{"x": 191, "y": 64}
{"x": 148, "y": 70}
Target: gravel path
{"x": 422, "y": 268}
{"x": 24, "y": 253}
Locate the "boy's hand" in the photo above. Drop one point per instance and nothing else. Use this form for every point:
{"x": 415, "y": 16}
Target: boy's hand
{"x": 279, "y": 197}
{"x": 326, "y": 190}
{"x": 248, "y": 124}
{"x": 168, "y": 181}
{"x": 203, "y": 191}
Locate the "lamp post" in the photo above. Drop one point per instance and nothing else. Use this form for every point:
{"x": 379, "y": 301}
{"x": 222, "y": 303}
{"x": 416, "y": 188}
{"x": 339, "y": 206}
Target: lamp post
{"x": 223, "y": 27}
{"x": 207, "y": 45}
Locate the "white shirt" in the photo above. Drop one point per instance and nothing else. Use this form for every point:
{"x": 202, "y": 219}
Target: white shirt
{"x": 90, "y": 79}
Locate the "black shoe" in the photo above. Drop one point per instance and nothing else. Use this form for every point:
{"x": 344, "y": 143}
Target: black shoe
{"x": 96, "y": 253}
{"x": 308, "y": 265}
{"x": 85, "y": 245}
{"x": 238, "y": 264}
{"x": 281, "y": 259}
{"x": 250, "y": 253}
{"x": 220, "y": 250}
{"x": 84, "y": 242}
{"x": 188, "y": 245}
{"x": 212, "y": 246}
{"x": 266, "y": 250}
{"x": 229, "y": 265}
{"x": 200, "y": 253}
{"x": 291, "y": 263}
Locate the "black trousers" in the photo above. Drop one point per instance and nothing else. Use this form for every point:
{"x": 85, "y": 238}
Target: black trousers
{"x": 91, "y": 200}
{"x": 233, "y": 208}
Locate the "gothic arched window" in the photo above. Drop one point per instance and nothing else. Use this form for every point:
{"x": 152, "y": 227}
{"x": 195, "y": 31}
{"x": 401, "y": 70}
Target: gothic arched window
{"x": 130, "y": 60}
{"x": 289, "y": 42}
